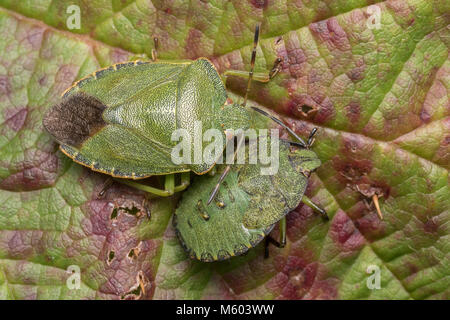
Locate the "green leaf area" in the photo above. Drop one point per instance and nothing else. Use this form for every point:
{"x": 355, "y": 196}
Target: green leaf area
{"x": 379, "y": 96}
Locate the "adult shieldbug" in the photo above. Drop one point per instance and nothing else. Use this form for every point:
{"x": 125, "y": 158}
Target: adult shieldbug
{"x": 120, "y": 119}
{"x": 246, "y": 207}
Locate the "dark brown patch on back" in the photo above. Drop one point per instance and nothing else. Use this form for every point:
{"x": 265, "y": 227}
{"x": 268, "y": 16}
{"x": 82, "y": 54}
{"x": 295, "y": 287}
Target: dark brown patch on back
{"x": 206, "y": 257}
{"x": 75, "y": 119}
{"x": 240, "y": 249}
{"x": 223, "y": 255}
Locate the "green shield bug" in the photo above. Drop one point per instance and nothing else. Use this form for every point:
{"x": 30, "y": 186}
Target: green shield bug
{"x": 246, "y": 207}
{"x": 120, "y": 120}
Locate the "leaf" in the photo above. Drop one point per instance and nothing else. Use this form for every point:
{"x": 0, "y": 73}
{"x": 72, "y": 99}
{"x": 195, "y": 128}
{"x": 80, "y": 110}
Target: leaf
{"x": 378, "y": 96}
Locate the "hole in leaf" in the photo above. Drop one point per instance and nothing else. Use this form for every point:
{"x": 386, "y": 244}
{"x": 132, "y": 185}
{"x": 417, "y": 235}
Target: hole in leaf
{"x": 134, "y": 253}
{"x": 133, "y": 211}
{"x": 114, "y": 213}
{"x": 111, "y": 255}
{"x": 305, "y": 108}
{"x": 138, "y": 289}
{"x": 133, "y": 293}
{"x": 131, "y": 254}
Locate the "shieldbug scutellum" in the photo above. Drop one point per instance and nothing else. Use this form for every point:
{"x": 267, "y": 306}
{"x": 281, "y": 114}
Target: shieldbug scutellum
{"x": 246, "y": 208}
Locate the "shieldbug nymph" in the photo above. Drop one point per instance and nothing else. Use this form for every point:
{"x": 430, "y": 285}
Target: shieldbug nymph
{"x": 247, "y": 206}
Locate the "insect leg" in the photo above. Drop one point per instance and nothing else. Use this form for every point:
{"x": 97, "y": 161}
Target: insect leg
{"x": 279, "y": 244}
{"x": 315, "y": 207}
{"x": 169, "y": 184}
{"x": 282, "y": 232}
{"x": 251, "y": 75}
{"x": 146, "y": 188}
{"x": 259, "y": 76}
{"x": 105, "y": 187}
{"x": 263, "y": 77}
{"x": 185, "y": 181}
{"x": 272, "y": 73}
{"x": 145, "y": 205}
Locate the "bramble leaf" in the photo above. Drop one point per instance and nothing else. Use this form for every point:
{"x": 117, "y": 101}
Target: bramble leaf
{"x": 379, "y": 95}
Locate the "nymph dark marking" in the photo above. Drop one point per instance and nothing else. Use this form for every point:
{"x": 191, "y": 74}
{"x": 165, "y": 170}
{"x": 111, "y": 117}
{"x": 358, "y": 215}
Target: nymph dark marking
{"x": 201, "y": 209}
{"x": 207, "y": 257}
{"x": 223, "y": 255}
{"x": 219, "y": 202}
{"x": 97, "y": 166}
{"x": 118, "y": 173}
{"x": 240, "y": 249}
{"x": 80, "y": 158}
{"x": 179, "y": 236}
{"x": 75, "y": 119}
{"x": 255, "y": 239}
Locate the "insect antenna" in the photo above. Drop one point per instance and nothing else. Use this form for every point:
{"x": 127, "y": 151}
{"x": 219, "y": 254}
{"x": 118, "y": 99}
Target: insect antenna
{"x": 300, "y": 142}
{"x": 252, "y": 64}
{"x": 106, "y": 185}
{"x": 217, "y": 187}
